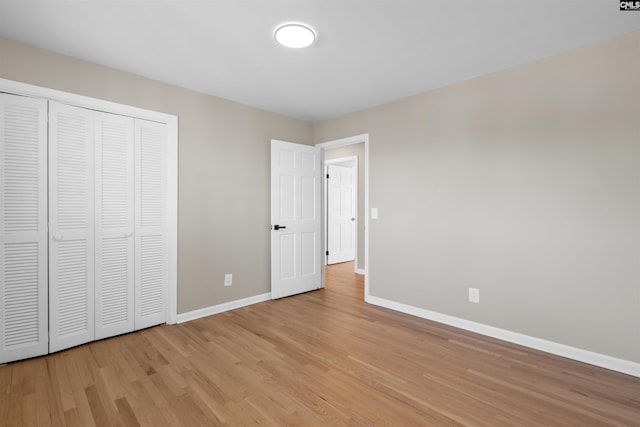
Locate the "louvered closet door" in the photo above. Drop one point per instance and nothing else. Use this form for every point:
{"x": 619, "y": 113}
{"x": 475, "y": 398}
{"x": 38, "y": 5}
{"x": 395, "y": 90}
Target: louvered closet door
{"x": 114, "y": 225}
{"x": 71, "y": 222}
{"x": 151, "y": 253}
{"x": 23, "y": 222}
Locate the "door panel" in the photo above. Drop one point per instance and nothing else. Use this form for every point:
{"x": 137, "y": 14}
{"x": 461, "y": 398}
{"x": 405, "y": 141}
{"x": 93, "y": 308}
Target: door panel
{"x": 114, "y": 288}
{"x": 295, "y": 204}
{"x": 23, "y": 228}
{"x": 341, "y": 218}
{"x": 71, "y": 221}
{"x": 308, "y": 202}
{"x": 151, "y": 252}
{"x": 308, "y": 253}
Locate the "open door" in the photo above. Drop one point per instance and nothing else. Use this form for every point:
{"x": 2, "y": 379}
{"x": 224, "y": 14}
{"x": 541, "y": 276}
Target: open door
{"x": 295, "y": 219}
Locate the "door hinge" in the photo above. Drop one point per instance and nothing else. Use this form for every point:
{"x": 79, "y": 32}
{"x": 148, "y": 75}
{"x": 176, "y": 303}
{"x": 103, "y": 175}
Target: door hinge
{"x": 327, "y": 253}
{"x": 327, "y": 176}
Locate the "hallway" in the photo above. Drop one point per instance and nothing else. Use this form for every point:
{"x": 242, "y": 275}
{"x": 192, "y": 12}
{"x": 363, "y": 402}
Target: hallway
{"x": 341, "y": 278}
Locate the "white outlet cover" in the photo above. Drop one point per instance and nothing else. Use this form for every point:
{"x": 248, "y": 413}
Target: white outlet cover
{"x": 474, "y": 295}
{"x": 374, "y": 213}
{"x": 228, "y": 279}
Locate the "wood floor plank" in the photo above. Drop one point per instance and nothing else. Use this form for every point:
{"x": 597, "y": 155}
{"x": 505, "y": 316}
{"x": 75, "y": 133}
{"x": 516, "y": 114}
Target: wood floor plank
{"x": 98, "y": 411}
{"x": 83, "y": 409}
{"x": 323, "y": 358}
{"x": 127, "y": 417}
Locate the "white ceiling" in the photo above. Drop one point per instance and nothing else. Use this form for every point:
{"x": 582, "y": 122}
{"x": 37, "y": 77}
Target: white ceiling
{"x": 367, "y": 52}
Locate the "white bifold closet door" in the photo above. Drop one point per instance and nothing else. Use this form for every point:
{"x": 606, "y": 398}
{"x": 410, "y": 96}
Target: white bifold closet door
{"x": 114, "y": 227}
{"x": 71, "y": 226}
{"x": 102, "y": 269}
{"x": 151, "y": 251}
{"x": 23, "y": 228}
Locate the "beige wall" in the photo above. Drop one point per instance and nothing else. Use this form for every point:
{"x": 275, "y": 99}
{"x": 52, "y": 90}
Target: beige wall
{"x": 524, "y": 183}
{"x": 356, "y": 150}
{"x": 223, "y": 170}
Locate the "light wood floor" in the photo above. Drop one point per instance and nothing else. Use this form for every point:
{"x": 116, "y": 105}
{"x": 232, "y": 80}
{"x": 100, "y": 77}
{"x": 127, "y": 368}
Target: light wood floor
{"x": 317, "y": 359}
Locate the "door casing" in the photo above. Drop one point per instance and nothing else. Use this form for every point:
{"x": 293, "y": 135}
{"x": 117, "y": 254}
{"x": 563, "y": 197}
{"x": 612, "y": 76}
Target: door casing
{"x": 364, "y": 138}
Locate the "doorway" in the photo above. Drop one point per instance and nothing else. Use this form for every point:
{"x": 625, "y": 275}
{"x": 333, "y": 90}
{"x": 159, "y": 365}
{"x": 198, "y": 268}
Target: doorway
{"x": 349, "y": 147}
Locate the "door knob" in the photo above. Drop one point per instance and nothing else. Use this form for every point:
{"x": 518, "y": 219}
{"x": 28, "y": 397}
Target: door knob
{"x": 353, "y": 219}
{"x": 278, "y": 227}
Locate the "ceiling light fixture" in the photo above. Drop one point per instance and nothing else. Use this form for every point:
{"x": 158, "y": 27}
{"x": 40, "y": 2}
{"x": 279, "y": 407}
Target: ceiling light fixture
{"x": 295, "y": 36}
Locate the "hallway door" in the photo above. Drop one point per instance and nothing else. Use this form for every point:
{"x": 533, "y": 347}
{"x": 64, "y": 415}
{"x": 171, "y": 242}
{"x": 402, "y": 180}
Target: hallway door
{"x": 341, "y": 217}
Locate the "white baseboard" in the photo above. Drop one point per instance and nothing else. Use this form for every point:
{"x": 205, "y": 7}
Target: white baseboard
{"x": 597, "y": 359}
{"x": 360, "y": 271}
{"x": 221, "y": 308}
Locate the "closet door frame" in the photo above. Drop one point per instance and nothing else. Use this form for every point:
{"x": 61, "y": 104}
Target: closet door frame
{"x": 171, "y": 165}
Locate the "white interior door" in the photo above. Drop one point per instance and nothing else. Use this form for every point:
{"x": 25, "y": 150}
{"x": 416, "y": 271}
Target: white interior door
{"x": 151, "y": 251}
{"x": 341, "y": 218}
{"x": 295, "y": 219}
{"x": 23, "y": 228}
{"x": 71, "y": 226}
{"x": 114, "y": 225}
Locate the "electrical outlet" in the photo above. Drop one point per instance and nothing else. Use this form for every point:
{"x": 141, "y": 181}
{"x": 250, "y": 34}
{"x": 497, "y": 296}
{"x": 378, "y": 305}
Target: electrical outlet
{"x": 474, "y": 295}
{"x": 228, "y": 279}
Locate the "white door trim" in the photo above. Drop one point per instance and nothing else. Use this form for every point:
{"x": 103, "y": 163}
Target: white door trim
{"x": 24, "y": 89}
{"x": 341, "y": 143}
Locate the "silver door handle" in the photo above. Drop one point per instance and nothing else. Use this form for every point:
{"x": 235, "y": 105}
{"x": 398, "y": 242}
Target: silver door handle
{"x": 58, "y": 237}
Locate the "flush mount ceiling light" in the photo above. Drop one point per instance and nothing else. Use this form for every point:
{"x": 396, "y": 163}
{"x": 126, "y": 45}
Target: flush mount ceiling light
{"x": 295, "y": 36}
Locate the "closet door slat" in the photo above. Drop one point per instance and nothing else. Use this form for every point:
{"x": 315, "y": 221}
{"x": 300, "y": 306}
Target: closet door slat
{"x": 151, "y": 251}
{"x": 114, "y": 224}
{"x": 23, "y": 228}
{"x": 71, "y": 222}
